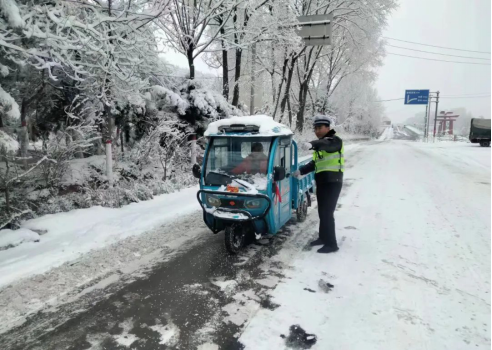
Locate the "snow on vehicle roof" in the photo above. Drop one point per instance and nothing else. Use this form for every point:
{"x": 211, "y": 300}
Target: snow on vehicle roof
{"x": 481, "y": 123}
{"x": 267, "y": 126}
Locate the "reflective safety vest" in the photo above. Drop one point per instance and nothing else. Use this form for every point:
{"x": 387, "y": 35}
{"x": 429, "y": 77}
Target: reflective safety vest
{"x": 325, "y": 161}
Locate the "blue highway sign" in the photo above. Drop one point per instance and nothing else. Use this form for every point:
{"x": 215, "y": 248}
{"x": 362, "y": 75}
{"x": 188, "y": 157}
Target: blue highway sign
{"x": 416, "y": 97}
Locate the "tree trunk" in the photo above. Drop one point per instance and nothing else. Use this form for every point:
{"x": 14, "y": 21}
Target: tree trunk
{"x": 225, "y": 62}
{"x": 282, "y": 79}
{"x": 24, "y": 135}
{"x": 122, "y": 145}
{"x": 287, "y": 87}
{"x": 290, "y": 111}
{"x": 108, "y": 143}
{"x": 237, "y": 75}
{"x": 252, "y": 89}
{"x": 7, "y": 188}
{"x": 189, "y": 54}
{"x": 302, "y": 105}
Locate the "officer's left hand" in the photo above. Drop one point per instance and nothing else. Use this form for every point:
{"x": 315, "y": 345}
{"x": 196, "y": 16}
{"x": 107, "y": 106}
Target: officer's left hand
{"x": 306, "y": 146}
{"x": 296, "y": 174}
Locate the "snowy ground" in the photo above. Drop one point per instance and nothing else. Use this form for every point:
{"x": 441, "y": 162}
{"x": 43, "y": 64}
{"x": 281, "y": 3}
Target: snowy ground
{"x": 64, "y": 237}
{"x": 413, "y": 271}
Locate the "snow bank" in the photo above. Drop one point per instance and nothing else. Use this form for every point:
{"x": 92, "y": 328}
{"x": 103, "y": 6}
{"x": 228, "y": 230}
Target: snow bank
{"x": 12, "y": 238}
{"x": 8, "y": 142}
{"x": 268, "y": 127}
{"x": 414, "y": 130}
{"x": 387, "y": 134}
{"x": 73, "y": 233}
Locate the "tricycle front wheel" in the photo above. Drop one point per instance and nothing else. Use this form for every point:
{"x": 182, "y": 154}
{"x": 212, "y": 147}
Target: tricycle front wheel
{"x": 234, "y": 238}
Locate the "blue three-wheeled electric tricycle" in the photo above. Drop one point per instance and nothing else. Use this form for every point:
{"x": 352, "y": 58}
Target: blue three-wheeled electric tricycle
{"x": 246, "y": 187}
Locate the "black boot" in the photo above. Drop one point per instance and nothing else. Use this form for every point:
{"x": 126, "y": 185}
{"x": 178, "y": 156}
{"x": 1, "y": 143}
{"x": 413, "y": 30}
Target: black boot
{"x": 328, "y": 249}
{"x": 316, "y": 242}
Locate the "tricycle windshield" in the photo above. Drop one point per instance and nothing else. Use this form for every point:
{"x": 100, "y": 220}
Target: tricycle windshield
{"x": 236, "y": 157}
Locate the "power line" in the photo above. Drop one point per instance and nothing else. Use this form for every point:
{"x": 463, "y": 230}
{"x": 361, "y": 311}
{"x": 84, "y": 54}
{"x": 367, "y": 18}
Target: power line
{"x": 441, "y": 47}
{"x": 434, "y": 59}
{"x": 463, "y": 96}
{"x": 475, "y": 94}
{"x": 448, "y": 96}
{"x": 394, "y": 99}
{"x": 440, "y": 54}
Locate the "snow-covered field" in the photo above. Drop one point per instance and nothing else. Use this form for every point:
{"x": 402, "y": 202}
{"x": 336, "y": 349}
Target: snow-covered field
{"x": 413, "y": 271}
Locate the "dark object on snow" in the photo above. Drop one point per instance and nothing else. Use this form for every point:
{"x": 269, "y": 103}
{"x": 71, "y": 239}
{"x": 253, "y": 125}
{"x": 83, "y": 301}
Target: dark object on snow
{"x": 310, "y": 290}
{"x": 480, "y": 132}
{"x": 299, "y": 339}
{"x": 268, "y": 304}
{"x": 328, "y": 249}
{"x": 325, "y": 286}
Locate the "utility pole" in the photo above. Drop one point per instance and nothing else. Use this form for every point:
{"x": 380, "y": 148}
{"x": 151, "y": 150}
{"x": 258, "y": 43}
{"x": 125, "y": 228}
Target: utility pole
{"x": 425, "y": 121}
{"x": 435, "y": 117}
{"x": 252, "y": 92}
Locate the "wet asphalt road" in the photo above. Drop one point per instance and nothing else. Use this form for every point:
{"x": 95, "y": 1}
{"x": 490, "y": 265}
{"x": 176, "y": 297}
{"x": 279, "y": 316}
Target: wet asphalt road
{"x": 163, "y": 297}
{"x": 126, "y": 313}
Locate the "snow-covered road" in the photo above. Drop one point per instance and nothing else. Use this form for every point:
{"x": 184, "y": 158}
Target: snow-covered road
{"x": 413, "y": 271}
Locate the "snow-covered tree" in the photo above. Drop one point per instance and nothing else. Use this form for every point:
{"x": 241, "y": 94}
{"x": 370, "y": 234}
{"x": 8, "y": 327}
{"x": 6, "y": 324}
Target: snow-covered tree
{"x": 186, "y": 26}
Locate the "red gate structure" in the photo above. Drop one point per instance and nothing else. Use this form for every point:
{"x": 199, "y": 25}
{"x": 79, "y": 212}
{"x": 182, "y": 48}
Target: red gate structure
{"x": 444, "y": 118}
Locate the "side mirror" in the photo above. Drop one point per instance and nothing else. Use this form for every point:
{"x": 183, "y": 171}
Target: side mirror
{"x": 278, "y": 173}
{"x": 197, "y": 171}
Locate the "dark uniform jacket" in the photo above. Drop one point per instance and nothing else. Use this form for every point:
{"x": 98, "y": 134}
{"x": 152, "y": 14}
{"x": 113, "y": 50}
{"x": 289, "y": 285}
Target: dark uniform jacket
{"x": 331, "y": 144}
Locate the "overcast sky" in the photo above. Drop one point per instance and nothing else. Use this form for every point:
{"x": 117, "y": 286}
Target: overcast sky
{"x": 463, "y": 24}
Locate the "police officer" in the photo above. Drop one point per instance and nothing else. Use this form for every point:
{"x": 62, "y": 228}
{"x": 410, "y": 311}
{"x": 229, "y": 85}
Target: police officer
{"x": 328, "y": 163}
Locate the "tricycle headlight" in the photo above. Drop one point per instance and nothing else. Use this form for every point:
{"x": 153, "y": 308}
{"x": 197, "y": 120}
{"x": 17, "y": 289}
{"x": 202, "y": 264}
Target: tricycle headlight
{"x": 253, "y": 203}
{"x": 213, "y": 201}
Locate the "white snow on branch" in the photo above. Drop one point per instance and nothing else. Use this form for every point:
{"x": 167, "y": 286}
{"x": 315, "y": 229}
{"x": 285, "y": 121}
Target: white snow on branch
{"x": 9, "y": 10}
{"x": 8, "y": 104}
{"x": 4, "y": 70}
{"x": 172, "y": 98}
{"x": 8, "y": 143}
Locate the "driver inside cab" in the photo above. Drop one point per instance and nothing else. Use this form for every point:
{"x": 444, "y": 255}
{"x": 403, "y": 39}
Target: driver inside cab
{"x": 256, "y": 162}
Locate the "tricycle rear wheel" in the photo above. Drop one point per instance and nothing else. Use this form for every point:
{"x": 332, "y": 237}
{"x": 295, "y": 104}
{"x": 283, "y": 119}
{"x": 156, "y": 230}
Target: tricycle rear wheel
{"x": 302, "y": 211}
{"x": 234, "y": 238}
